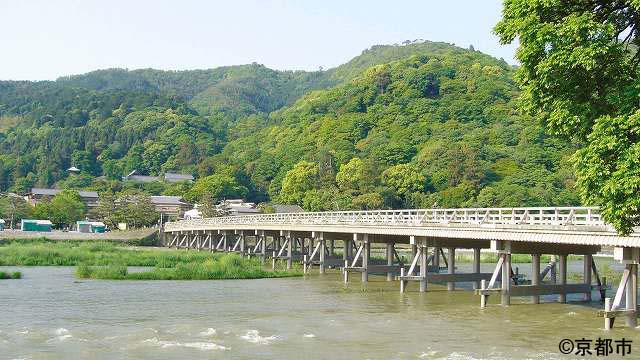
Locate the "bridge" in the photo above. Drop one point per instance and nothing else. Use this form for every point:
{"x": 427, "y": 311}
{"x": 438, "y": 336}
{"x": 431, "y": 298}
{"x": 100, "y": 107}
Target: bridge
{"x": 344, "y": 240}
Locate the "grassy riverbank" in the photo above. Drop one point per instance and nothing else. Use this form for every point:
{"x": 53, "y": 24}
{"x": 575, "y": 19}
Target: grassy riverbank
{"x": 107, "y": 260}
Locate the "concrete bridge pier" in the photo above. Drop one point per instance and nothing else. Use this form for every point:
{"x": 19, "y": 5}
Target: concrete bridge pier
{"x": 535, "y": 275}
{"x": 563, "y": 276}
{"x": 389, "y": 256}
{"x": 587, "y": 266}
{"x": 476, "y": 266}
{"x": 451, "y": 285}
{"x": 505, "y": 299}
{"x": 288, "y": 239}
{"x": 366, "y": 255}
{"x": 436, "y": 257}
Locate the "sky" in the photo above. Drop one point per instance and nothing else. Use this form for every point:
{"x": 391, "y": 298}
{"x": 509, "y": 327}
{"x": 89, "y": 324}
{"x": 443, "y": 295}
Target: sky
{"x": 42, "y": 40}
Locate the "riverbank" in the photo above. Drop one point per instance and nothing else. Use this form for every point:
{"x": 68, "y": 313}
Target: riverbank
{"x": 147, "y": 236}
{"x": 110, "y": 260}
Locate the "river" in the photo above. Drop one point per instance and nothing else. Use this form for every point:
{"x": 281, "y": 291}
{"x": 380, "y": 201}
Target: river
{"x": 51, "y": 315}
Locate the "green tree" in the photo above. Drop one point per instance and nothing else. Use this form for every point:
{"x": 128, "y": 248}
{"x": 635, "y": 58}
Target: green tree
{"x": 14, "y": 208}
{"x": 404, "y": 179}
{"x": 207, "y": 206}
{"x": 107, "y": 209}
{"x": 369, "y": 201}
{"x": 64, "y": 209}
{"x": 579, "y": 72}
{"x": 136, "y": 210}
{"x": 218, "y": 186}
{"x": 351, "y": 175}
{"x": 302, "y": 178}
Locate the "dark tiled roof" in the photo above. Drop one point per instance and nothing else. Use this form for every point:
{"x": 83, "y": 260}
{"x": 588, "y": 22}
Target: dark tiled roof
{"x": 174, "y": 177}
{"x": 53, "y": 192}
{"x": 279, "y": 208}
{"x": 169, "y": 200}
{"x": 141, "y": 178}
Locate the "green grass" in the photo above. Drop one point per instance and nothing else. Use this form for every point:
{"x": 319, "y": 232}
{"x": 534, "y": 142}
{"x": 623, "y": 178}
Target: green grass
{"x": 109, "y": 260}
{"x": 13, "y": 275}
{"x": 227, "y": 266}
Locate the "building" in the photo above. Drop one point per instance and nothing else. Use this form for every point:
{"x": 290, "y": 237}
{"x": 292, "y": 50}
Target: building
{"x": 90, "y": 198}
{"x": 235, "y": 207}
{"x": 35, "y": 225}
{"x": 90, "y": 226}
{"x": 133, "y": 176}
{"x": 170, "y": 206}
{"x": 175, "y": 178}
{"x": 193, "y": 214}
{"x": 168, "y": 177}
{"x": 282, "y": 208}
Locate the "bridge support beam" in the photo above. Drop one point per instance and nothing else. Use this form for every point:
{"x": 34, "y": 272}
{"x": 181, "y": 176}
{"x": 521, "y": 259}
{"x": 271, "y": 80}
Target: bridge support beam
{"x": 323, "y": 248}
{"x": 476, "y": 266}
{"x": 289, "y": 250}
{"x": 535, "y": 275}
{"x": 423, "y": 265}
{"x": 563, "y": 275}
{"x": 389, "y": 257}
{"x": 436, "y": 257}
{"x": 451, "y": 285}
{"x": 628, "y": 288}
{"x": 366, "y": 254}
{"x": 588, "y": 264}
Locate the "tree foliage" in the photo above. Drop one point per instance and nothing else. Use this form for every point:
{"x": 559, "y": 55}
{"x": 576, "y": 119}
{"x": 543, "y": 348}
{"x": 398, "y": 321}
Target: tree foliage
{"x": 579, "y": 74}
{"x": 420, "y": 125}
{"x": 64, "y": 209}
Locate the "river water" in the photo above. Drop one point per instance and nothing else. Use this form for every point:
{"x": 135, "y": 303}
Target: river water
{"x": 51, "y": 315}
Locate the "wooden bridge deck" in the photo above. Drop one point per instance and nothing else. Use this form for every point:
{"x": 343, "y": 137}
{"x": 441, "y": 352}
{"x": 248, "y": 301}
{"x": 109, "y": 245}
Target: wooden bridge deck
{"x": 311, "y": 237}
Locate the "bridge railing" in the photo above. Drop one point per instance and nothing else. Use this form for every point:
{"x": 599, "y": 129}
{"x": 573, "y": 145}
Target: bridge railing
{"x": 558, "y": 216}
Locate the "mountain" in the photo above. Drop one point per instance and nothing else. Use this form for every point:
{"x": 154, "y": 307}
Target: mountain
{"x": 420, "y": 124}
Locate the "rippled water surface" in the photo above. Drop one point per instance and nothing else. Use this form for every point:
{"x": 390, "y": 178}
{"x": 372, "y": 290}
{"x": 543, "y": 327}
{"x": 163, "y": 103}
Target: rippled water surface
{"x": 51, "y": 315}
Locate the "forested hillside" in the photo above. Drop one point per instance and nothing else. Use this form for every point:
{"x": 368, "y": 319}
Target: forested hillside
{"x": 420, "y": 125}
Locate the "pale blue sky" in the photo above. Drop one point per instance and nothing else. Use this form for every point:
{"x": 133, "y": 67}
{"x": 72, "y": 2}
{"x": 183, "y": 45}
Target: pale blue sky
{"x": 42, "y": 40}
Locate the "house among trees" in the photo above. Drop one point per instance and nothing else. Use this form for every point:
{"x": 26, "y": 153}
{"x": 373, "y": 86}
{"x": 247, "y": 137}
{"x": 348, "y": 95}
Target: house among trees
{"x": 172, "y": 207}
{"x": 235, "y": 207}
{"x": 168, "y": 177}
{"x": 286, "y": 208}
{"x": 175, "y": 177}
{"x": 134, "y": 176}
{"x": 90, "y": 198}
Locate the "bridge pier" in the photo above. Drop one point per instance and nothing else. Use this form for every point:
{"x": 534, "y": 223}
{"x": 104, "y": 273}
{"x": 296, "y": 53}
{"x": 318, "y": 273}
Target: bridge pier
{"x": 628, "y": 288}
{"x": 588, "y": 265}
{"x": 389, "y": 257}
{"x": 366, "y": 254}
{"x": 289, "y": 250}
{"x": 563, "y": 276}
{"x": 535, "y": 275}
{"x": 476, "y": 265}
{"x": 451, "y": 285}
{"x": 534, "y": 231}
{"x": 537, "y": 288}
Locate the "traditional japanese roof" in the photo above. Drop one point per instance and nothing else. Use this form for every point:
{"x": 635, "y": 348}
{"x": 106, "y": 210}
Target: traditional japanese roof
{"x": 283, "y": 208}
{"x": 168, "y": 200}
{"x": 175, "y": 177}
{"x": 53, "y": 192}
